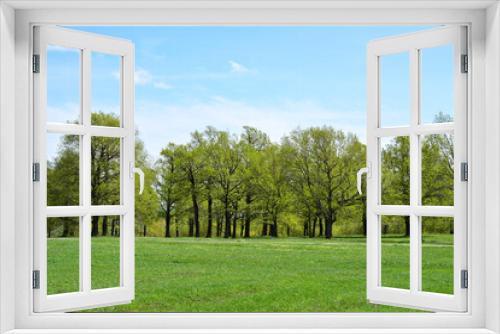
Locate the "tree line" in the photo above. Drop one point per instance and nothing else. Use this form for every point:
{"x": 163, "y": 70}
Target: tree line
{"x": 221, "y": 184}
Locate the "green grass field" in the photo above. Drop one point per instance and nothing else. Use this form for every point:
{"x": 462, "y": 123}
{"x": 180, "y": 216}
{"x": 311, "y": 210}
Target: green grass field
{"x": 255, "y": 275}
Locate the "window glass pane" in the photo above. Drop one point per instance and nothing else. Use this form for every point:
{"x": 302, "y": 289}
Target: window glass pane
{"x": 105, "y": 252}
{"x": 395, "y": 260}
{"x": 106, "y": 89}
{"x": 437, "y": 169}
{"x": 63, "y": 170}
{"x": 105, "y": 176}
{"x": 63, "y": 254}
{"x": 395, "y": 170}
{"x": 63, "y": 84}
{"x": 437, "y": 254}
{"x": 436, "y": 84}
{"x": 394, "y": 90}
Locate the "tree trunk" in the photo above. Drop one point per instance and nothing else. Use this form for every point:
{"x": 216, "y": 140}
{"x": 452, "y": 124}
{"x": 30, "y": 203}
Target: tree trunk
{"x": 144, "y": 231}
{"x": 264, "y": 229}
{"x": 242, "y": 229}
{"x": 235, "y": 220}
{"x": 196, "y": 215}
{"x": 329, "y": 225}
{"x": 320, "y": 222}
{"x": 227, "y": 216}
{"x": 305, "y": 229}
{"x": 177, "y": 232}
{"x": 209, "y": 218}
{"x": 313, "y": 234}
{"x": 219, "y": 225}
{"x": 407, "y": 226}
{"x": 235, "y": 225}
{"x": 113, "y": 228}
{"x": 167, "y": 222}
{"x": 105, "y": 226}
{"x": 328, "y": 229}
{"x": 95, "y": 226}
{"x": 329, "y": 220}
{"x": 65, "y": 233}
{"x": 248, "y": 215}
{"x": 247, "y": 226}
{"x": 191, "y": 227}
{"x": 274, "y": 227}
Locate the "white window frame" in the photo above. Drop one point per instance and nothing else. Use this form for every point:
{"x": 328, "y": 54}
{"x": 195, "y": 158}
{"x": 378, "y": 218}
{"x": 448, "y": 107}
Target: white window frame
{"x": 412, "y": 44}
{"x": 483, "y": 18}
{"x": 86, "y": 43}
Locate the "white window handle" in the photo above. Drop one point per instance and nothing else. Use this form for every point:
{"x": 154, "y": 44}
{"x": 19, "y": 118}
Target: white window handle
{"x": 364, "y": 170}
{"x": 141, "y": 179}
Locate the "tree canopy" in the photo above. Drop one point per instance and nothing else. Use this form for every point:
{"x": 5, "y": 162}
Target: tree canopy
{"x": 220, "y": 184}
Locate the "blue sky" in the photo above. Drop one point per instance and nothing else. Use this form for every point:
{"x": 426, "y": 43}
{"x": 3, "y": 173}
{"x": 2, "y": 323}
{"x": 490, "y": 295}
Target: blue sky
{"x": 273, "y": 78}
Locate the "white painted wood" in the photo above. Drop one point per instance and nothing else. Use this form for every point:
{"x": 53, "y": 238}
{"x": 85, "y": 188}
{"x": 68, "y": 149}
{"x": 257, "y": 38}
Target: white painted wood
{"x": 415, "y": 242}
{"x": 86, "y": 297}
{"x": 414, "y": 297}
{"x": 92, "y": 210}
{"x": 284, "y": 4}
{"x": 7, "y": 168}
{"x": 423, "y": 129}
{"x": 407, "y": 210}
{"x": 469, "y": 322}
{"x": 492, "y": 186}
{"x": 92, "y": 130}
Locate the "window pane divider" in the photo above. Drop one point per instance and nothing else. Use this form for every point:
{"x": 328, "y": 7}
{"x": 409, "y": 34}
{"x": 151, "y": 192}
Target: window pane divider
{"x": 79, "y": 211}
{"x": 92, "y": 130}
{"x": 419, "y": 210}
{"x": 423, "y": 129}
{"x": 85, "y": 175}
{"x": 415, "y": 184}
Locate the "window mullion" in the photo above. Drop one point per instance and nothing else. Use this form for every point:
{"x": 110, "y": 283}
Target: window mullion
{"x": 415, "y": 252}
{"x": 85, "y": 176}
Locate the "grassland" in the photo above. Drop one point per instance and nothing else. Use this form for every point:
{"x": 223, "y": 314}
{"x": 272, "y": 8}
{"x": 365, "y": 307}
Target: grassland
{"x": 255, "y": 275}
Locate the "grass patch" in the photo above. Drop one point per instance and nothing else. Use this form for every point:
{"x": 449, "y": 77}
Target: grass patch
{"x": 258, "y": 275}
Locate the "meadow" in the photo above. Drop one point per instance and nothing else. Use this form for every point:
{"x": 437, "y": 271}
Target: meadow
{"x": 251, "y": 275}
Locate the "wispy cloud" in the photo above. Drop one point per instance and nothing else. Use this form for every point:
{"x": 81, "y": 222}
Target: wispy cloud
{"x": 237, "y": 67}
{"x": 159, "y": 124}
{"x": 162, "y": 85}
{"x": 142, "y": 77}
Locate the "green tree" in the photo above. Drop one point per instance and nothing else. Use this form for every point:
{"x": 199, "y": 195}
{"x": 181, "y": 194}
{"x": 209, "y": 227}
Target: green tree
{"x": 191, "y": 162}
{"x": 438, "y": 166}
{"x": 63, "y": 182}
{"x": 303, "y": 183}
{"x": 63, "y": 175}
{"x": 395, "y": 172}
{"x": 105, "y": 169}
{"x": 167, "y": 184}
{"x": 253, "y": 142}
{"x": 273, "y": 182}
{"x": 147, "y": 203}
{"x": 226, "y": 161}
{"x": 324, "y": 167}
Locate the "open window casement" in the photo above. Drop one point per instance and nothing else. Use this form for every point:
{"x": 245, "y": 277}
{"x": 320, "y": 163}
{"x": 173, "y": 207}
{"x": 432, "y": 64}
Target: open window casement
{"x": 77, "y": 136}
{"x": 384, "y": 126}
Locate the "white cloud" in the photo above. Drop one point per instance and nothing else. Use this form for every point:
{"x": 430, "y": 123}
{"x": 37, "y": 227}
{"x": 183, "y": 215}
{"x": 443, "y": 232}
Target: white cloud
{"x": 159, "y": 124}
{"x": 237, "y": 67}
{"x": 162, "y": 85}
{"x": 142, "y": 77}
